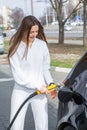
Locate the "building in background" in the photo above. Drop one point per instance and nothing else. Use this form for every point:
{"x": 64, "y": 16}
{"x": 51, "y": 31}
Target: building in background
{"x": 5, "y": 13}
{"x": 39, "y": 8}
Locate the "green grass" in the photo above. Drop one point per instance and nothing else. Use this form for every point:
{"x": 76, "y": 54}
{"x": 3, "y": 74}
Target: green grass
{"x": 6, "y": 45}
{"x": 65, "y": 63}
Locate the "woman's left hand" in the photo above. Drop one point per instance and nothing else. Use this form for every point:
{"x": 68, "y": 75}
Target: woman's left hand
{"x": 53, "y": 94}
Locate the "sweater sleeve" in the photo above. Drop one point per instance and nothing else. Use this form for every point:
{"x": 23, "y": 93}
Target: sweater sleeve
{"x": 17, "y": 72}
{"x": 47, "y": 75}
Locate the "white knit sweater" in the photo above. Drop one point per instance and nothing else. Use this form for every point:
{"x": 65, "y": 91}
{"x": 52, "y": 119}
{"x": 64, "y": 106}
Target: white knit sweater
{"x": 33, "y": 71}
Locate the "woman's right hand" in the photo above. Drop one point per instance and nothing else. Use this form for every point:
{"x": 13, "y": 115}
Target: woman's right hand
{"x": 44, "y": 90}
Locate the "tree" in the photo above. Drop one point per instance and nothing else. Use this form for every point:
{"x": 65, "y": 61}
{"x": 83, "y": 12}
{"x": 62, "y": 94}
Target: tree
{"x": 58, "y": 6}
{"x": 17, "y": 16}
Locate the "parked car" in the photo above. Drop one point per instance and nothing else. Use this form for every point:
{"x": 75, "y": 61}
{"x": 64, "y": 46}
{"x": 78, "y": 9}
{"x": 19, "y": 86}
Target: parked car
{"x": 77, "y": 23}
{"x": 2, "y": 35}
{"x": 80, "y": 22}
{"x": 55, "y": 23}
{"x": 74, "y": 23}
{"x": 67, "y": 28}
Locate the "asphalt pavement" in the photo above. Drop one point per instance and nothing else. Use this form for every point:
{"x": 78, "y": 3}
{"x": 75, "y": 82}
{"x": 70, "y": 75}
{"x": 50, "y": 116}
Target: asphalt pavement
{"x": 72, "y": 37}
{"x": 6, "y": 87}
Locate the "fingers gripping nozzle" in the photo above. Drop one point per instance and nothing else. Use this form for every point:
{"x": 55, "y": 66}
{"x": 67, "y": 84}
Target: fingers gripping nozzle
{"x": 51, "y": 87}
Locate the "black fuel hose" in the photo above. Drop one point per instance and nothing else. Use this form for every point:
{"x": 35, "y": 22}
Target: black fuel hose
{"x": 11, "y": 123}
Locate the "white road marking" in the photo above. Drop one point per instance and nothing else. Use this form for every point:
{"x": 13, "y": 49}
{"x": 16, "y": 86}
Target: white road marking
{"x": 6, "y": 79}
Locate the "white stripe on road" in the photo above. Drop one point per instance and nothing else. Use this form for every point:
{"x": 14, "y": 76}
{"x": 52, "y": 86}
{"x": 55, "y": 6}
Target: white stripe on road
{"x": 6, "y": 79}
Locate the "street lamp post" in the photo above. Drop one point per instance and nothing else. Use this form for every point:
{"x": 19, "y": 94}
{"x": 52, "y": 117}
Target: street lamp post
{"x": 25, "y": 7}
{"x": 32, "y": 8}
{"x": 46, "y": 17}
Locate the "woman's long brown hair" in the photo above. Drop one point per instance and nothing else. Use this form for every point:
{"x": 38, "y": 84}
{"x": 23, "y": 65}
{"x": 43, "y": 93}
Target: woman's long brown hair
{"x": 25, "y": 26}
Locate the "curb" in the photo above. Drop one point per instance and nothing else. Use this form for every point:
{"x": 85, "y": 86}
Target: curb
{"x": 3, "y": 62}
{"x": 66, "y": 42}
{"x": 3, "y": 59}
{"x": 60, "y": 69}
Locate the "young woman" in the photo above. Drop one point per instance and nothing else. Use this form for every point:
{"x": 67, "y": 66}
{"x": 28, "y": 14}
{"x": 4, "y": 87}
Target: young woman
{"x": 30, "y": 63}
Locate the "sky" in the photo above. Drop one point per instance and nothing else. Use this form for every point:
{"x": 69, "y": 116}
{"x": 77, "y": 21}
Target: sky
{"x": 38, "y": 7}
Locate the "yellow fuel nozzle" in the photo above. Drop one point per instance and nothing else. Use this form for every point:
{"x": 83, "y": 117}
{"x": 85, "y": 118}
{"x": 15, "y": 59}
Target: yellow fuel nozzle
{"x": 50, "y": 88}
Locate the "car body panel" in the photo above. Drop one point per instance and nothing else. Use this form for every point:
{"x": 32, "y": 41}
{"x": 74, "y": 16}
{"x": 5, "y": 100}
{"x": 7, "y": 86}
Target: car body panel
{"x": 67, "y": 28}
